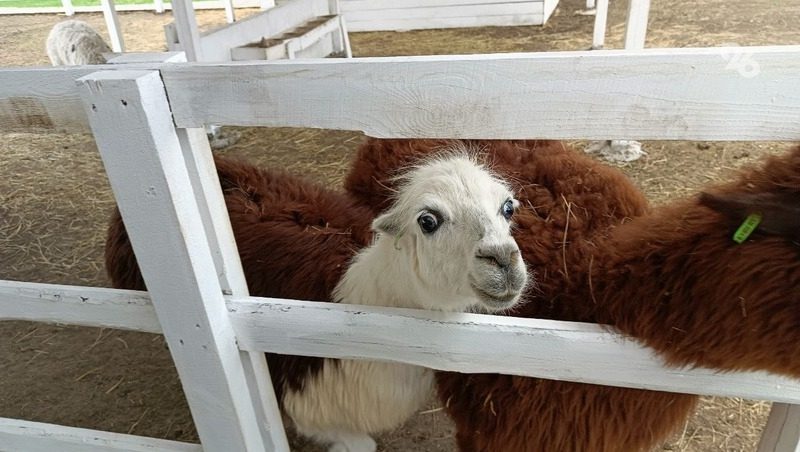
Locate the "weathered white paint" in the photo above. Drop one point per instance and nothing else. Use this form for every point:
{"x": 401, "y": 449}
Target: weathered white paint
{"x": 186, "y": 30}
{"x": 636, "y": 24}
{"x": 600, "y": 22}
{"x": 218, "y": 43}
{"x": 441, "y": 12}
{"x": 216, "y": 223}
{"x": 616, "y": 94}
{"x": 494, "y": 20}
{"x": 675, "y": 94}
{"x": 73, "y": 305}
{"x": 567, "y": 351}
{"x": 267, "y": 4}
{"x": 549, "y": 8}
{"x": 148, "y": 172}
{"x": 112, "y": 24}
{"x": 347, "y": 6}
{"x": 325, "y": 30}
{"x": 204, "y": 5}
{"x": 158, "y": 6}
{"x": 782, "y": 432}
{"x": 19, "y": 435}
{"x": 145, "y": 57}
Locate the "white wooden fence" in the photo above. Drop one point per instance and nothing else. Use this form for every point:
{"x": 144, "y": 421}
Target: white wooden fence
{"x": 161, "y": 171}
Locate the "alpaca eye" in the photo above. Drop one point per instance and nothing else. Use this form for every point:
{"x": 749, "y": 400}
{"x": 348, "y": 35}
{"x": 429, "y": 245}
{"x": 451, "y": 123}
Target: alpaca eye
{"x": 508, "y": 209}
{"x": 428, "y": 222}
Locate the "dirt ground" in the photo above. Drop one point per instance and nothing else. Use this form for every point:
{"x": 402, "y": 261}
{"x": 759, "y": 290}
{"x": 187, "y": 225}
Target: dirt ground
{"x": 55, "y": 201}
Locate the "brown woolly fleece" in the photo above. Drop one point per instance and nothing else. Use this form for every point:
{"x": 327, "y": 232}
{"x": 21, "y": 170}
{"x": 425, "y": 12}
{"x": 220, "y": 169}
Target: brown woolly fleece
{"x": 295, "y": 240}
{"x": 673, "y": 278}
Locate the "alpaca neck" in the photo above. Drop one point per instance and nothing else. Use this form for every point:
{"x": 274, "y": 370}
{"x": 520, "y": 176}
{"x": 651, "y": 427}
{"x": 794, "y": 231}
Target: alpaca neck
{"x": 379, "y": 276}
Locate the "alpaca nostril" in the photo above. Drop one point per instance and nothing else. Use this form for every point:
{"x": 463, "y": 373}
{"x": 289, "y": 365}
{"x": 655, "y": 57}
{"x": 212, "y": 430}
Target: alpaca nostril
{"x": 502, "y": 261}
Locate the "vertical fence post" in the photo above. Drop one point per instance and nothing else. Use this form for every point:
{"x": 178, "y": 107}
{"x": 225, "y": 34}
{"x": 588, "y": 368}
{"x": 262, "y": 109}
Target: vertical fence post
{"x": 636, "y": 25}
{"x": 186, "y": 27}
{"x": 112, "y": 23}
{"x": 600, "y": 21}
{"x": 69, "y": 10}
{"x": 230, "y": 16}
{"x": 150, "y": 177}
{"x": 159, "y": 6}
{"x": 782, "y": 432}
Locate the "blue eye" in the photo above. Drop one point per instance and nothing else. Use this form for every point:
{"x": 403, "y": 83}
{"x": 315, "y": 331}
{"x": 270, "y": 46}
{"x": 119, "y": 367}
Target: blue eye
{"x": 428, "y": 222}
{"x": 508, "y": 209}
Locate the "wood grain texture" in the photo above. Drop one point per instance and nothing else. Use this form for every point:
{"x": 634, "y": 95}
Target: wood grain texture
{"x": 73, "y": 305}
{"x": 148, "y": 174}
{"x": 19, "y": 435}
{"x": 458, "y": 342}
{"x": 673, "y": 94}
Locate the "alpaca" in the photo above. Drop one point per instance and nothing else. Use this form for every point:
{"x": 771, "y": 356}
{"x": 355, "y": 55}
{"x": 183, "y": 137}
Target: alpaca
{"x": 75, "y": 43}
{"x": 448, "y": 210}
{"x": 673, "y": 278}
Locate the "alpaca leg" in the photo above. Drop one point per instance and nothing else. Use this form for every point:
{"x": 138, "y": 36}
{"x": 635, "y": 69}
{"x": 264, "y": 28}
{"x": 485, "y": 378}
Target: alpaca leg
{"x": 353, "y": 442}
{"x": 341, "y": 441}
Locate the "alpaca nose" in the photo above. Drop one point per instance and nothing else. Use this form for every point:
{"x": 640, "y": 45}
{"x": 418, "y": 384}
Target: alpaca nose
{"x": 502, "y": 256}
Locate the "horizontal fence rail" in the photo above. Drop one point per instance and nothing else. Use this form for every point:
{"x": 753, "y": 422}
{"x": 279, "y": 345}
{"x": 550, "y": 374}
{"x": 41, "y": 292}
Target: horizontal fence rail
{"x": 569, "y": 351}
{"x": 19, "y": 435}
{"x": 727, "y": 94}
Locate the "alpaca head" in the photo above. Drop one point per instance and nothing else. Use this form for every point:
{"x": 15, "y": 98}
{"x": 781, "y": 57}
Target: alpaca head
{"x": 451, "y": 224}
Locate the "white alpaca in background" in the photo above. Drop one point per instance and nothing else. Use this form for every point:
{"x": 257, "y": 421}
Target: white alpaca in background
{"x": 75, "y": 43}
{"x": 445, "y": 244}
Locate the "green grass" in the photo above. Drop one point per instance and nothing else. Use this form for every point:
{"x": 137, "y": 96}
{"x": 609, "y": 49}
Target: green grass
{"x": 57, "y": 3}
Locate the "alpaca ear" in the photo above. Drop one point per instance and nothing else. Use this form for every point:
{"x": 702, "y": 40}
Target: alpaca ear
{"x": 780, "y": 212}
{"x": 388, "y": 223}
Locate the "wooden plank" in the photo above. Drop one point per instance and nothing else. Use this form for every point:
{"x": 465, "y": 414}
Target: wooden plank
{"x": 469, "y": 342}
{"x": 311, "y": 37}
{"x": 216, "y": 223}
{"x": 549, "y": 8}
{"x": 73, "y": 305}
{"x": 600, "y": 22}
{"x": 230, "y": 16}
{"x": 446, "y": 12}
{"x": 150, "y": 180}
{"x": 204, "y": 5}
{"x": 345, "y": 37}
{"x": 636, "y": 24}
{"x": 112, "y": 24}
{"x": 35, "y": 100}
{"x": 146, "y": 57}
{"x": 69, "y": 10}
{"x": 267, "y": 4}
{"x": 680, "y": 94}
{"x": 782, "y": 432}
{"x": 347, "y": 6}
{"x": 217, "y": 44}
{"x": 673, "y": 94}
{"x": 445, "y": 22}
{"x": 186, "y": 30}
{"x": 457, "y": 342}
{"x": 19, "y": 435}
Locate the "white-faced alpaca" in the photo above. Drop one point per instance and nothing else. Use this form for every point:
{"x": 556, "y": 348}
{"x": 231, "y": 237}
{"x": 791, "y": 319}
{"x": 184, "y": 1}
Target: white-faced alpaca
{"x": 444, "y": 244}
{"x": 75, "y": 43}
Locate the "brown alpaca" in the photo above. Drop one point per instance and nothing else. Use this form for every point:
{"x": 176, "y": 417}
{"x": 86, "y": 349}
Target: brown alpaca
{"x": 673, "y": 278}
{"x": 295, "y": 240}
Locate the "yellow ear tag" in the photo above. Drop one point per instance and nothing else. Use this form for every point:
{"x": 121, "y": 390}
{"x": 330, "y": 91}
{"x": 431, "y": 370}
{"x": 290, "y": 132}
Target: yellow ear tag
{"x": 748, "y": 226}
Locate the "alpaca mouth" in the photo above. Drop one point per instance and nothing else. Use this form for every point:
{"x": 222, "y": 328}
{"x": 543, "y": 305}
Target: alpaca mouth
{"x": 496, "y": 302}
